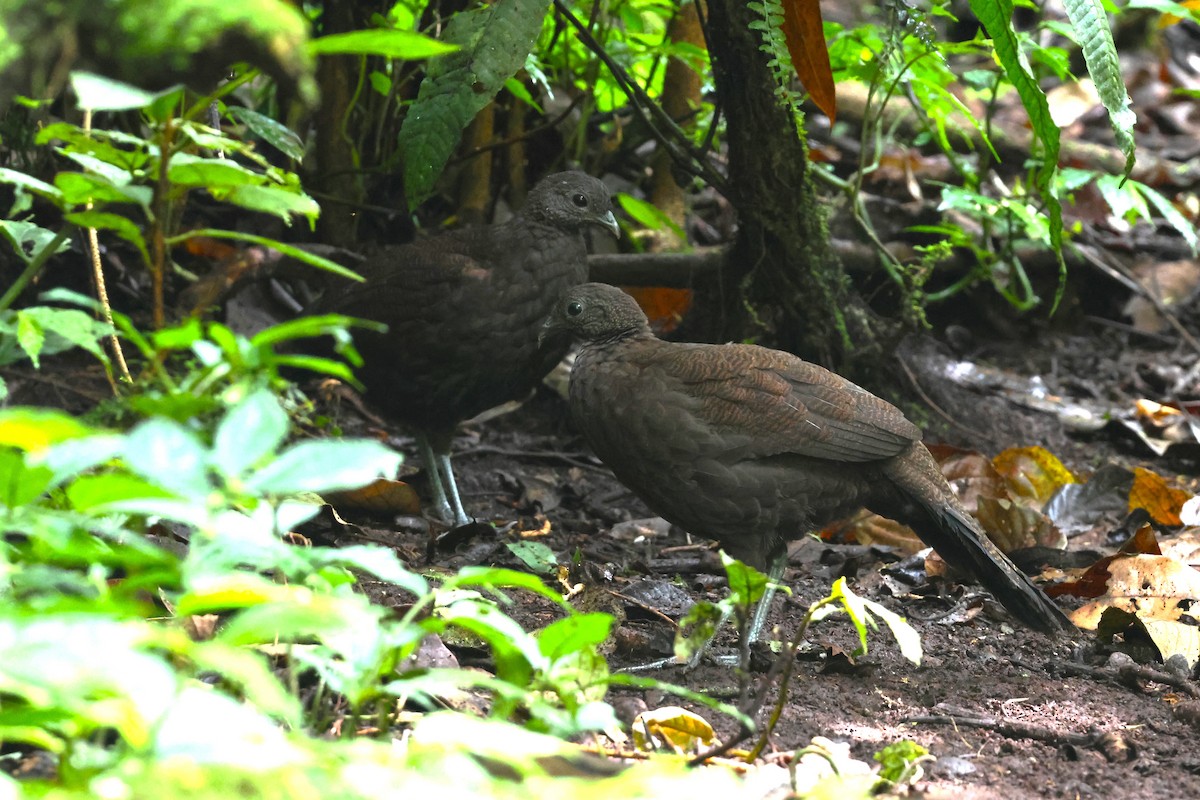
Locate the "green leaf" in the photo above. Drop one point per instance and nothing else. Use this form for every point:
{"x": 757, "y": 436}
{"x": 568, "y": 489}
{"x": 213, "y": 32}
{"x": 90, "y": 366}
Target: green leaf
{"x": 79, "y": 188}
{"x": 30, "y": 184}
{"x": 388, "y": 43}
{"x": 325, "y": 466}
{"x": 30, "y": 336}
{"x": 1100, "y": 53}
{"x": 93, "y": 491}
{"x": 28, "y": 239}
{"x": 251, "y": 673}
{"x": 648, "y": 215}
{"x": 1171, "y": 214}
{"x": 20, "y": 483}
{"x": 380, "y": 562}
{"x": 278, "y": 135}
{"x": 120, "y": 225}
{"x": 860, "y": 609}
{"x": 105, "y": 94}
{"x": 535, "y": 555}
{"x": 170, "y": 455}
{"x": 500, "y": 578}
{"x": 189, "y": 170}
{"x": 746, "y": 584}
{"x": 283, "y": 203}
{"x": 69, "y": 327}
{"x": 291, "y": 251}
{"x": 252, "y": 429}
{"x": 495, "y": 39}
{"x": 697, "y": 628}
{"x": 996, "y": 16}
{"x": 35, "y": 429}
{"x": 70, "y": 458}
{"x": 574, "y": 633}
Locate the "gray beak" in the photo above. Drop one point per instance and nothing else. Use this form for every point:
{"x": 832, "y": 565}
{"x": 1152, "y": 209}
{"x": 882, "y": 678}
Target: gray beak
{"x": 610, "y": 222}
{"x": 546, "y": 330}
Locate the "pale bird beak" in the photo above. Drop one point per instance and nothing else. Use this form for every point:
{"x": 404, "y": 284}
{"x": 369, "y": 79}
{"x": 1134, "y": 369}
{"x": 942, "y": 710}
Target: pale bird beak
{"x": 547, "y": 328}
{"x": 610, "y": 222}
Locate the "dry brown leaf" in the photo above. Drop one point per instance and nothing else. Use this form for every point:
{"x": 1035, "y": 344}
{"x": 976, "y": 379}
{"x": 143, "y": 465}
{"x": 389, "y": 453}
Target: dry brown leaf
{"x": 381, "y": 496}
{"x": 1032, "y": 473}
{"x": 1147, "y": 586}
{"x": 1094, "y": 581}
{"x": 682, "y": 730}
{"x": 1151, "y": 492}
{"x": 867, "y": 528}
{"x": 970, "y": 473}
{"x": 1014, "y": 527}
{"x": 664, "y": 306}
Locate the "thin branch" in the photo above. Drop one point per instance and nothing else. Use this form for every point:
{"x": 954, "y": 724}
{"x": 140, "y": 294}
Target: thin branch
{"x": 684, "y": 155}
{"x": 93, "y": 244}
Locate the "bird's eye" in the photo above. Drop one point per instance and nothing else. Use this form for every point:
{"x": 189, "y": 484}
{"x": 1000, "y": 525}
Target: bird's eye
{"x": 580, "y": 200}
{"x": 574, "y": 308}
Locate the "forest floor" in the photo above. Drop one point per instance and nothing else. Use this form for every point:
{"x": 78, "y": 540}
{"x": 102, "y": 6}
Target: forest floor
{"x": 1006, "y": 712}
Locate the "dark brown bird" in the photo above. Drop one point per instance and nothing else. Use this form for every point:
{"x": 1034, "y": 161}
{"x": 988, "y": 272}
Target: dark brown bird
{"x": 754, "y": 447}
{"x": 463, "y": 311}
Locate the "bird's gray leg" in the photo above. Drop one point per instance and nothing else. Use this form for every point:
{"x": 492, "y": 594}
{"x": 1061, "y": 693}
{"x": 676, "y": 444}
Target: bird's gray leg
{"x": 460, "y": 515}
{"x": 436, "y": 465}
{"x": 748, "y": 634}
{"x": 774, "y": 576}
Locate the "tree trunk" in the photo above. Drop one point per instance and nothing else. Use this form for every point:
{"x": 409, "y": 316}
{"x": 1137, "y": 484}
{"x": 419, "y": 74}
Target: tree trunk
{"x": 782, "y": 277}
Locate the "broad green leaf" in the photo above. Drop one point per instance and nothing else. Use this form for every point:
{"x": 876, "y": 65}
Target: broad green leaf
{"x": 189, "y": 170}
{"x": 388, "y": 43}
{"x": 574, "y": 633}
{"x": 207, "y": 728}
{"x": 20, "y": 483}
{"x": 30, "y": 336}
{"x": 105, "y": 94}
{"x": 535, "y": 555}
{"x": 281, "y": 202}
{"x": 278, "y": 135}
{"x": 92, "y": 491}
{"x": 251, "y": 673}
{"x": 79, "y": 188}
{"x": 132, "y": 155}
{"x": 169, "y": 454}
{"x": 996, "y": 16}
{"x": 303, "y": 614}
{"x": 70, "y": 458}
{"x": 495, "y": 578}
{"x": 31, "y": 184}
{"x": 69, "y": 327}
{"x": 251, "y": 430}
{"x": 325, "y": 466}
{"x": 1171, "y": 214}
{"x": 380, "y": 562}
{"x": 116, "y": 175}
{"x": 515, "y": 652}
{"x": 746, "y": 584}
{"x": 120, "y": 225}
{"x": 860, "y": 610}
{"x": 1100, "y": 53}
{"x": 230, "y": 590}
{"x": 35, "y": 429}
{"x": 495, "y": 40}
{"x": 28, "y": 239}
{"x": 697, "y": 628}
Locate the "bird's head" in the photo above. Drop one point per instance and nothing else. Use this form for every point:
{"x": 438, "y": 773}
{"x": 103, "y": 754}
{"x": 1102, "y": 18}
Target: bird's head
{"x": 572, "y": 201}
{"x": 594, "y": 312}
